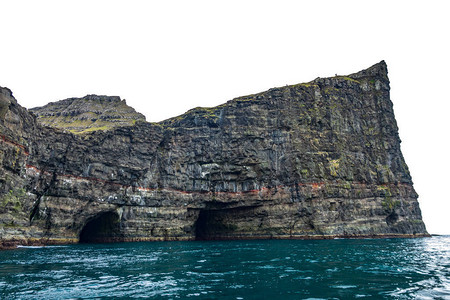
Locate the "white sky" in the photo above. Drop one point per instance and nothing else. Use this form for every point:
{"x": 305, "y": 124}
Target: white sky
{"x": 166, "y": 57}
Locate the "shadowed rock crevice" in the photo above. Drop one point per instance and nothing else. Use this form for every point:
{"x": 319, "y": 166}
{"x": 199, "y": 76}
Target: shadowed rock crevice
{"x": 228, "y": 223}
{"x": 210, "y": 225}
{"x": 103, "y": 228}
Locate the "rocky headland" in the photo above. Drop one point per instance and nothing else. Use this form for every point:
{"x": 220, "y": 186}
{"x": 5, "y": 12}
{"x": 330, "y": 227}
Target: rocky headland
{"x": 314, "y": 160}
{"x": 90, "y": 113}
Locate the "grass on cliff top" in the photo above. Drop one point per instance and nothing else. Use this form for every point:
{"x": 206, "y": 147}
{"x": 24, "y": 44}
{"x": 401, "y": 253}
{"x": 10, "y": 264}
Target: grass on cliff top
{"x": 103, "y": 128}
{"x": 78, "y": 126}
{"x": 347, "y": 78}
{"x": 206, "y": 112}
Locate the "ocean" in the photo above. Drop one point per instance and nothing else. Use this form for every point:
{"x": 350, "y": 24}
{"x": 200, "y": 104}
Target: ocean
{"x": 252, "y": 269}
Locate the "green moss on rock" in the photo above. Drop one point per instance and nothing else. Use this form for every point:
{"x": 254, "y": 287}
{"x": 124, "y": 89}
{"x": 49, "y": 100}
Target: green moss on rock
{"x": 90, "y": 113}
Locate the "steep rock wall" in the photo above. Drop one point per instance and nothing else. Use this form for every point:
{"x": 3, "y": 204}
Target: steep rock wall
{"x": 314, "y": 160}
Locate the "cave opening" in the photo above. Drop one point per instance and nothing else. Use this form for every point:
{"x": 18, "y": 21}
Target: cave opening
{"x": 103, "y": 228}
{"x": 216, "y": 224}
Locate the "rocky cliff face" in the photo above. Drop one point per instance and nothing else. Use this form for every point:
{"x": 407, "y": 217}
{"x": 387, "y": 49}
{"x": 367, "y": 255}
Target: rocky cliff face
{"x": 90, "y": 113}
{"x": 314, "y": 160}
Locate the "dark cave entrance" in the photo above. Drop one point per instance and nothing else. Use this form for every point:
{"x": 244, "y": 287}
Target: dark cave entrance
{"x": 217, "y": 224}
{"x": 202, "y": 228}
{"x": 104, "y": 228}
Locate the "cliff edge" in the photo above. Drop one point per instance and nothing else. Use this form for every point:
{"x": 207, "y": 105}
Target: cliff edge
{"x": 314, "y": 160}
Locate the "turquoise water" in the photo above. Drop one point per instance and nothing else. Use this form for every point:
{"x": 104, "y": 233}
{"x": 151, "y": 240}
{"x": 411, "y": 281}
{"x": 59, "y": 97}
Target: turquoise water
{"x": 261, "y": 269}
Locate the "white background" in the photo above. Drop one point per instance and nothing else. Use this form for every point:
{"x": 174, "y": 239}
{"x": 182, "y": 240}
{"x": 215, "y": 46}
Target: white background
{"x": 165, "y": 57}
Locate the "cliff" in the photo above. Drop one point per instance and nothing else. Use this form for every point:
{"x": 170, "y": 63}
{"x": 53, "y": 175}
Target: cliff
{"x": 313, "y": 160}
{"x": 92, "y": 112}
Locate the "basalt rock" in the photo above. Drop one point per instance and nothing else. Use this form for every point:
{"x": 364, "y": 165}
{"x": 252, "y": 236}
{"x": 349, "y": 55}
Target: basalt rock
{"x": 314, "y": 160}
{"x": 90, "y": 113}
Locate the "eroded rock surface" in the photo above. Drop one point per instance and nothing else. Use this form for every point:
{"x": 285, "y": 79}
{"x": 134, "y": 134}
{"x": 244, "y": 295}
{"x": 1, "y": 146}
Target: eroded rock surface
{"x": 90, "y": 113}
{"x": 314, "y": 160}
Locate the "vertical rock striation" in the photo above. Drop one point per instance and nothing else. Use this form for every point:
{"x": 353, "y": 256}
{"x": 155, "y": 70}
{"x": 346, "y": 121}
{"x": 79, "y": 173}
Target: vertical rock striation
{"x": 313, "y": 160}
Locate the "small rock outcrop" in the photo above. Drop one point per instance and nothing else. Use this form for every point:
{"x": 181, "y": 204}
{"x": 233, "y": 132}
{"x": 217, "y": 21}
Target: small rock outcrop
{"x": 90, "y": 113}
{"x": 315, "y": 160}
